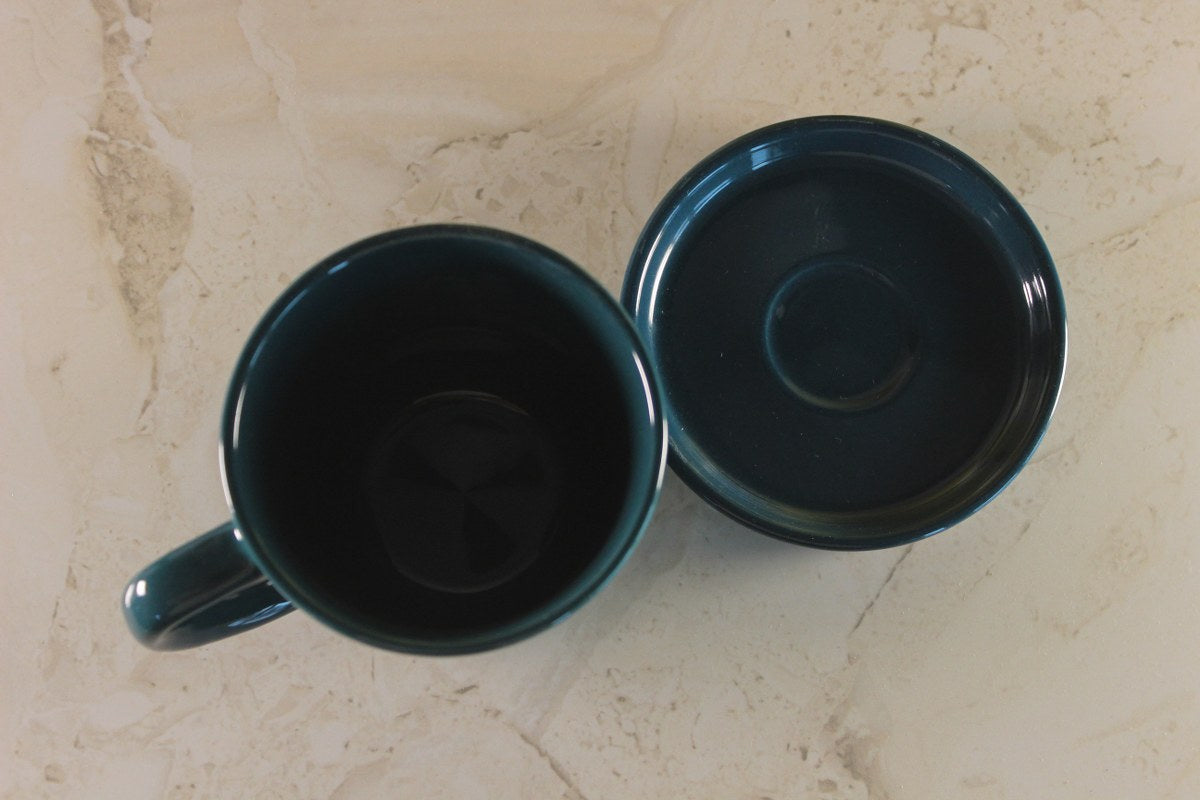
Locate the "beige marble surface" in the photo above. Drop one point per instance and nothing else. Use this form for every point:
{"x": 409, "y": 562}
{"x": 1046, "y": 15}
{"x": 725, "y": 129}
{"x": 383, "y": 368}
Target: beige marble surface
{"x": 168, "y": 167}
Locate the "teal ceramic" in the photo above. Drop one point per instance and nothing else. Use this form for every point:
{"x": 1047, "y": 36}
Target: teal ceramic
{"x": 439, "y": 440}
{"x": 859, "y": 331}
{"x": 444, "y": 439}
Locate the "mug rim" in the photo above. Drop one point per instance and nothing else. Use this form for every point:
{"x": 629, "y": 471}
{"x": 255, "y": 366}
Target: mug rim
{"x": 635, "y": 514}
{"x": 674, "y": 219}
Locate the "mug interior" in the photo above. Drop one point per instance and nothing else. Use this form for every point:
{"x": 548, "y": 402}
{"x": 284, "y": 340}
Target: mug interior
{"x": 442, "y": 439}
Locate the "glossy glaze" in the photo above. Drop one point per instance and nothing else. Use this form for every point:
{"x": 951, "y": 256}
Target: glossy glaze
{"x": 859, "y": 331}
{"x": 202, "y": 591}
{"x": 439, "y": 440}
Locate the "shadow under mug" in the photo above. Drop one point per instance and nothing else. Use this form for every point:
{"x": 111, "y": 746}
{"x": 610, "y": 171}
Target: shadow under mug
{"x": 438, "y": 440}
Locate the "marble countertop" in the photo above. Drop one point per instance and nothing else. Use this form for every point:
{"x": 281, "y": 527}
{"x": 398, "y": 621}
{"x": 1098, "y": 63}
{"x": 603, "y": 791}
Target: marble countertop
{"x": 169, "y": 167}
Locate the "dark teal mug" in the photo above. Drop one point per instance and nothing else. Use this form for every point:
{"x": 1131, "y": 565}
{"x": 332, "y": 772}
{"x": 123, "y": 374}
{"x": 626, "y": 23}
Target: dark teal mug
{"x": 438, "y": 440}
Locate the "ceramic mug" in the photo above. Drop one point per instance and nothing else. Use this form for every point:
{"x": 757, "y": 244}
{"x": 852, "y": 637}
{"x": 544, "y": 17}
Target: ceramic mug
{"x": 438, "y": 440}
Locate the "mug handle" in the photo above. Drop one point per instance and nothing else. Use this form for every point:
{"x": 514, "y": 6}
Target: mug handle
{"x": 198, "y": 593}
